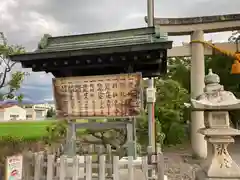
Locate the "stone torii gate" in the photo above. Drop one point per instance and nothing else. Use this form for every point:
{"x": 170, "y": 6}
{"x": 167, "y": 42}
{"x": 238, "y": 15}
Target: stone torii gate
{"x": 196, "y": 27}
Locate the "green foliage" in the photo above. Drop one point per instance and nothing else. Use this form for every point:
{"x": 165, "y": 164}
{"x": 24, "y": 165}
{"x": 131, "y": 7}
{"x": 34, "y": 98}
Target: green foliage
{"x": 179, "y": 70}
{"x": 50, "y": 113}
{"x": 170, "y": 94}
{"x": 16, "y": 78}
{"x": 15, "y": 141}
{"x": 169, "y": 110}
{"x": 142, "y": 131}
{"x": 221, "y": 65}
{"x": 170, "y": 113}
{"x": 55, "y": 132}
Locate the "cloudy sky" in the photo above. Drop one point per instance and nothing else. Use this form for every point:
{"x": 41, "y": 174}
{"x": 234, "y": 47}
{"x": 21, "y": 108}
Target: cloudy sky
{"x": 25, "y": 21}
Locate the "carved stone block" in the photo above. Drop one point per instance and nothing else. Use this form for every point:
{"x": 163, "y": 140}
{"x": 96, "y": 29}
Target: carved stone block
{"x": 217, "y": 119}
{"x": 220, "y": 163}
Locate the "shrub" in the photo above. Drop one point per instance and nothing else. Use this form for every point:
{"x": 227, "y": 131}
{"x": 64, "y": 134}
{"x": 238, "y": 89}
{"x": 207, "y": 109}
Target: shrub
{"x": 55, "y": 132}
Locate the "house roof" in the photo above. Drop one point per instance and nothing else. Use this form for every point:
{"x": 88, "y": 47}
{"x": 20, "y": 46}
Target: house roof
{"x": 137, "y": 50}
{"x": 88, "y": 44}
{"x": 5, "y": 106}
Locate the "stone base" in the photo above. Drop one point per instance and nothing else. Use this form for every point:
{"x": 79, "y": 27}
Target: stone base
{"x": 201, "y": 175}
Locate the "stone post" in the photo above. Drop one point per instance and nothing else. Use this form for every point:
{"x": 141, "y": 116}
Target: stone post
{"x": 198, "y": 143}
{"x": 215, "y": 102}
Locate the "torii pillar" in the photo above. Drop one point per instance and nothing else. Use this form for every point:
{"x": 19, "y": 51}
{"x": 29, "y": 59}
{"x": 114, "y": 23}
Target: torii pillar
{"x": 199, "y": 144}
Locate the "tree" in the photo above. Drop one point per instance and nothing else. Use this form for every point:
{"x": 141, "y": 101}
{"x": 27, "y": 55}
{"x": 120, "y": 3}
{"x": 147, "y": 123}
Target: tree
{"x": 220, "y": 64}
{"x": 170, "y": 113}
{"x": 179, "y": 70}
{"x": 10, "y": 81}
{"x": 50, "y": 113}
{"x": 170, "y": 110}
{"x": 117, "y": 138}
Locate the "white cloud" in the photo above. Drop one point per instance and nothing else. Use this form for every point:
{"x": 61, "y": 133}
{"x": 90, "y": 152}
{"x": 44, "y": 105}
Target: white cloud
{"x": 38, "y": 78}
{"x": 38, "y": 24}
{"x": 6, "y": 4}
{"x": 48, "y": 99}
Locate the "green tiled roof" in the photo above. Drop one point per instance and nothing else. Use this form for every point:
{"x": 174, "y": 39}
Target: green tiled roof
{"x": 101, "y": 40}
{"x": 140, "y": 39}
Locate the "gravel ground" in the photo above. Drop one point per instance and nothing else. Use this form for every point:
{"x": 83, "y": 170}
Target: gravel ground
{"x": 180, "y": 166}
{"x": 177, "y": 167}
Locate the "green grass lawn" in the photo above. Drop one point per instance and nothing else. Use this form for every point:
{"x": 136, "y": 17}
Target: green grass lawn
{"x": 25, "y": 129}
{"x": 31, "y": 130}
{"x": 28, "y": 129}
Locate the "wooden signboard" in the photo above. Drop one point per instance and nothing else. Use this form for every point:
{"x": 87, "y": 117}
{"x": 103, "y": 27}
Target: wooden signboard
{"x": 98, "y": 96}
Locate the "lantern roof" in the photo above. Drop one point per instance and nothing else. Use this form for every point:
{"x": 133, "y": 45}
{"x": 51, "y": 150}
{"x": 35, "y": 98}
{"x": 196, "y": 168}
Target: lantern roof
{"x": 214, "y": 96}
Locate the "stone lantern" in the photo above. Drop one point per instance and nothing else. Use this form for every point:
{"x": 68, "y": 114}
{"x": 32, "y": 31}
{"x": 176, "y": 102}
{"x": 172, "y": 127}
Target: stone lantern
{"x": 216, "y": 102}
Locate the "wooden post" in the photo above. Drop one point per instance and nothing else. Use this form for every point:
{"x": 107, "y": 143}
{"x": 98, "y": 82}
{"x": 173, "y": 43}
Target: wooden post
{"x": 160, "y": 163}
{"x": 27, "y": 158}
{"x": 90, "y": 149}
{"x": 130, "y": 168}
{"x": 145, "y": 166}
{"x": 70, "y": 148}
{"x": 115, "y": 167}
{"x": 134, "y": 138}
{"x": 109, "y": 159}
{"x": 38, "y": 161}
{"x": 75, "y": 168}
{"x": 50, "y": 167}
{"x": 89, "y": 152}
{"x": 88, "y": 166}
{"x": 130, "y": 140}
{"x": 160, "y": 166}
{"x": 62, "y": 171}
{"x": 102, "y": 167}
{"x": 150, "y": 153}
{"x": 100, "y": 150}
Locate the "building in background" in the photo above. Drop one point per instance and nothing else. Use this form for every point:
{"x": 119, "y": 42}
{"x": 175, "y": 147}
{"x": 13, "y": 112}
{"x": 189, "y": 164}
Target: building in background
{"x": 46, "y": 106}
{"x": 10, "y": 112}
{"x": 32, "y": 111}
{"x": 35, "y": 113}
